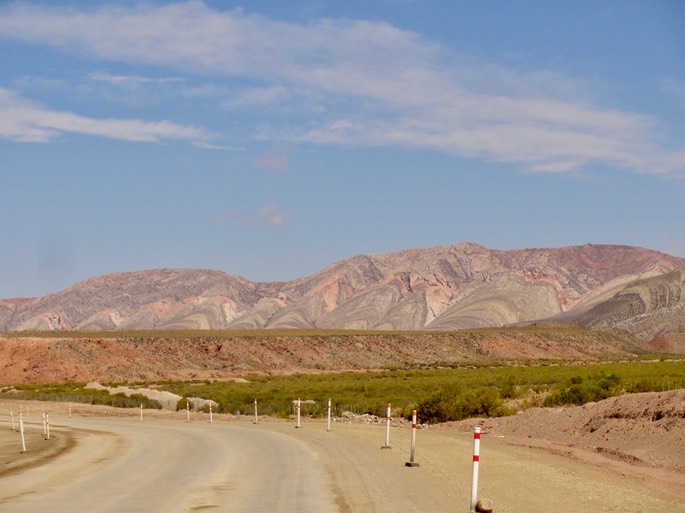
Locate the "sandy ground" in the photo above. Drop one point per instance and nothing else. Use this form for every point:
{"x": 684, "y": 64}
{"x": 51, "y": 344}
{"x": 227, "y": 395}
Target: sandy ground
{"x": 519, "y": 469}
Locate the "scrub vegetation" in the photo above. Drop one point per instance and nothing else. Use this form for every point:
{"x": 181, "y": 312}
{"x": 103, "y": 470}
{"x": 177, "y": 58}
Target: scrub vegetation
{"x": 75, "y": 393}
{"x": 439, "y": 395}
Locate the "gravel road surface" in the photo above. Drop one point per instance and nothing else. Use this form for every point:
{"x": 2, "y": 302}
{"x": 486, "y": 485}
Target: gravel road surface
{"x": 128, "y": 466}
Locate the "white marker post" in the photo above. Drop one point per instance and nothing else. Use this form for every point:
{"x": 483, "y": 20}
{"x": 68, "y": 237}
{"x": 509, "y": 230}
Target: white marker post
{"x": 411, "y": 462}
{"x": 47, "y": 426}
{"x": 328, "y": 428}
{"x": 210, "y": 414}
{"x": 69, "y": 410}
{"x": 21, "y": 429}
{"x": 12, "y": 415}
{"x": 141, "y": 412}
{"x": 255, "y": 411}
{"x": 187, "y": 411}
{"x": 476, "y": 460}
{"x": 387, "y": 429}
{"x": 299, "y": 407}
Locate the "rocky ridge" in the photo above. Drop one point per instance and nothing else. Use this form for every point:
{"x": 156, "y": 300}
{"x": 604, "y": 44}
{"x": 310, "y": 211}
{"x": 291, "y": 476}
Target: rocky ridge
{"x": 441, "y": 288}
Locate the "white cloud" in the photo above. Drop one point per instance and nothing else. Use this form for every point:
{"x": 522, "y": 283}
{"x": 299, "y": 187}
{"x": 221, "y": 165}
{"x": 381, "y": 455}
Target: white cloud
{"x": 373, "y": 84}
{"x": 24, "y": 121}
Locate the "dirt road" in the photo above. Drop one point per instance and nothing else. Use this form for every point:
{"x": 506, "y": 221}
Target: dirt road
{"x": 128, "y": 466}
{"x": 164, "y": 464}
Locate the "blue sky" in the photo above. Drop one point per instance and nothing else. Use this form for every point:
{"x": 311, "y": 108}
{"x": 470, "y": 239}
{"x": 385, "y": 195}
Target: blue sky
{"x": 270, "y": 139}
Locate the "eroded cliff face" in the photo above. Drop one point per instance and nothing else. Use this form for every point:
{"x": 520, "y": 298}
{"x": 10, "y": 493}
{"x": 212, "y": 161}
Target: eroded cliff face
{"x": 441, "y": 288}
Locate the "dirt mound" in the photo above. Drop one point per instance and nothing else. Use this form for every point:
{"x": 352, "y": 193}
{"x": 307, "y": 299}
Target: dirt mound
{"x": 642, "y": 429}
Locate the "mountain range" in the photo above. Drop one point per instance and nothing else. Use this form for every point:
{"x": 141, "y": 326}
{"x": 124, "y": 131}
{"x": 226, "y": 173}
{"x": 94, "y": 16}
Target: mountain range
{"x": 442, "y": 288}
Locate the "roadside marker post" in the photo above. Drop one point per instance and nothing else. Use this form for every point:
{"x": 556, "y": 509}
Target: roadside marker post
{"x": 299, "y": 407}
{"x": 210, "y": 414}
{"x": 141, "y": 412}
{"x": 187, "y": 411}
{"x": 12, "y": 415}
{"x": 255, "y": 411}
{"x": 476, "y": 461}
{"x": 387, "y": 428}
{"x": 328, "y": 428}
{"x": 411, "y": 462}
{"x": 47, "y": 426}
{"x": 69, "y": 410}
{"x": 21, "y": 429}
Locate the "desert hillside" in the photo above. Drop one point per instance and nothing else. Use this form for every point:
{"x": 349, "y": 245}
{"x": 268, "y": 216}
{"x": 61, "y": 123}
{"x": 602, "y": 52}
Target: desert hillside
{"x": 441, "y": 288}
{"x": 141, "y": 356}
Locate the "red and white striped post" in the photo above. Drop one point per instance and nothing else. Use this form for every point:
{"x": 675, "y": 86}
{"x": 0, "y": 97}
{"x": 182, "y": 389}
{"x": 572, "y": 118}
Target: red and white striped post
{"x": 387, "y": 428}
{"x": 299, "y": 407}
{"x": 411, "y": 462}
{"x": 476, "y": 460}
{"x": 255, "y": 411}
{"x": 21, "y": 430}
{"x": 328, "y": 428}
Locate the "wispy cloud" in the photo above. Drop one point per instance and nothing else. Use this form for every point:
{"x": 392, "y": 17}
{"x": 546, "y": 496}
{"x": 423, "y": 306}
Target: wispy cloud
{"x": 274, "y": 215}
{"x": 222, "y": 147}
{"x": 132, "y": 81}
{"x": 257, "y": 96}
{"x": 371, "y": 84}
{"x": 229, "y": 216}
{"x": 275, "y": 160}
{"x": 25, "y": 121}
{"x": 271, "y": 214}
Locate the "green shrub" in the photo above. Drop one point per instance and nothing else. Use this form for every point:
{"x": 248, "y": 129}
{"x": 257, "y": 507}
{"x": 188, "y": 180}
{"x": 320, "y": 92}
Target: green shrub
{"x": 456, "y": 404}
{"x": 579, "y": 390}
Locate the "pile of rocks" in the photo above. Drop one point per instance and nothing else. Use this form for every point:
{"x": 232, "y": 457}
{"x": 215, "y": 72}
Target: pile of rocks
{"x": 348, "y": 417}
